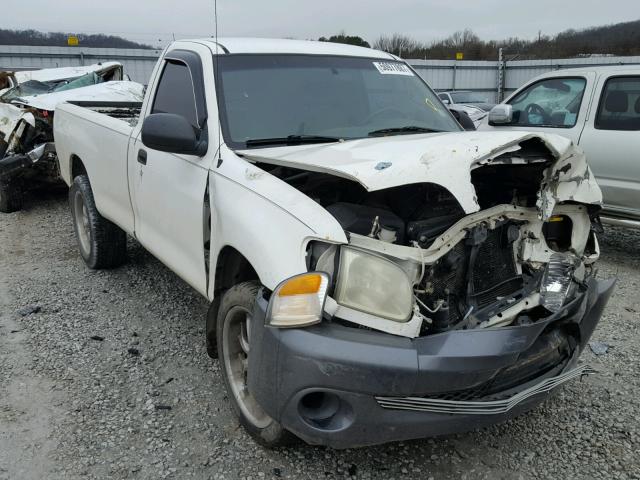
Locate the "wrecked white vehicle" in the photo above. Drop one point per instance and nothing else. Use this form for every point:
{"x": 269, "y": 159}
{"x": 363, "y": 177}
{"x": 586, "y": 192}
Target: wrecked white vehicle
{"x": 27, "y": 104}
{"x": 375, "y": 273}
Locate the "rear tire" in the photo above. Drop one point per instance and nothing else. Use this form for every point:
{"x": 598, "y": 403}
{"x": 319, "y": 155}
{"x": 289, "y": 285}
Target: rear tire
{"x": 102, "y": 243}
{"x": 233, "y": 326}
{"x": 11, "y": 197}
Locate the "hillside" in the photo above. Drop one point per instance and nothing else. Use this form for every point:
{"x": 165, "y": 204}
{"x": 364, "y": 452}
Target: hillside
{"x": 617, "y": 39}
{"x": 59, "y": 39}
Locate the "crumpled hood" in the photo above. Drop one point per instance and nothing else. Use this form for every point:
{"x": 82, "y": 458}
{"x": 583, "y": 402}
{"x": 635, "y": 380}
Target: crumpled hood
{"x": 62, "y": 73}
{"x": 117, "y": 91}
{"x": 20, "y": 111}
{"x": 445, "y": 159}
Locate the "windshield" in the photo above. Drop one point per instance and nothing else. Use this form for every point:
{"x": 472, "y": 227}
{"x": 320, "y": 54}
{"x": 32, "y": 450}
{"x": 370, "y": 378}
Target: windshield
{"x": 468, "y": 97}
{"x": 270, "y": 100}
{"x": 34, "y": 87}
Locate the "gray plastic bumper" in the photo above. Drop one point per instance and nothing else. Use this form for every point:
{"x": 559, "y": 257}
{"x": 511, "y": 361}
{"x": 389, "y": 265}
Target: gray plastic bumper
{"x": 345, "y": 387}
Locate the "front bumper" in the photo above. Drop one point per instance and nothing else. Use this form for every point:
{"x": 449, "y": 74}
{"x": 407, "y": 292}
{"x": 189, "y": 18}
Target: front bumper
{"x": 346, "y": 387}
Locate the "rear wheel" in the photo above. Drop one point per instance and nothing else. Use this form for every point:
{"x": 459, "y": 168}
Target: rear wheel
{"x": 234, "y": 347}
{"x": 10, "y": 196}
{"x": 102, "y": 243}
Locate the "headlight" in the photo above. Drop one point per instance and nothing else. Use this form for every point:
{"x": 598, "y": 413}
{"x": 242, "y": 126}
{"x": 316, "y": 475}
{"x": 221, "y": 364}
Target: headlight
{"x": 374, "y": 285}
{"x": 298, "y": 301}
{"x": 556, "y": 281}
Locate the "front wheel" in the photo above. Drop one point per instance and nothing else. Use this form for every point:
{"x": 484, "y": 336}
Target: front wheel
{"x": 102, "y": 243}
{"x": 234, "y": 347}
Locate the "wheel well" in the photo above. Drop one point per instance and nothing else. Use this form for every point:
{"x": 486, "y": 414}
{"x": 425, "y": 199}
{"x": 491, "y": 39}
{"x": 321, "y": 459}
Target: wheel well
{"x": 232, "y": 268}
{"x": 77, "y": 167}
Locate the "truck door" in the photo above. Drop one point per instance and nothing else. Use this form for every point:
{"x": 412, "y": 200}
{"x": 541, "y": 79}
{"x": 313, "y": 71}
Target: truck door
{"x": 168, "y": 190}
{"x": 557, "y": 104}
{"x": 611, "y": 142}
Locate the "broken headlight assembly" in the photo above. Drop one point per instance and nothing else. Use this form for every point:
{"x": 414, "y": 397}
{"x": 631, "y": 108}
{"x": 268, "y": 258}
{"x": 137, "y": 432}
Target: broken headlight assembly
{"x": 298, "y": 301}
{"x": 556, "y": 281}
{"x": 372, "y": 284}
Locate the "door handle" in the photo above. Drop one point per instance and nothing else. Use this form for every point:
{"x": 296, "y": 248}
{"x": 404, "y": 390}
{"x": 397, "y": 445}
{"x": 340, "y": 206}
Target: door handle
{"x": 142, "y": 156}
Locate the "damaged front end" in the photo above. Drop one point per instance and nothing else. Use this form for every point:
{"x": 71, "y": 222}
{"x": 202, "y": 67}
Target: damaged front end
{"x": 27, "y": 152}
{"x": 449, "y": 308}
{"x": 419, "y": 262}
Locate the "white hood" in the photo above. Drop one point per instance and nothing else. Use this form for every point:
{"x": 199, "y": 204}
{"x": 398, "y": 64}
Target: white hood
{"x": 445, "y": 159}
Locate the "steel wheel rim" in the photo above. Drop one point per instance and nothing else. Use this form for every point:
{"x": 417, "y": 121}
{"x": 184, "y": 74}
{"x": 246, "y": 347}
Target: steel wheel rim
{"x": 81, "y": 218}
{"x": 235, "y": 337}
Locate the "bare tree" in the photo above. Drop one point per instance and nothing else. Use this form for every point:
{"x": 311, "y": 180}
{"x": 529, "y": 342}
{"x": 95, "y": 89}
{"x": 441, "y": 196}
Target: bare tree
{"x": 397, "y": 44}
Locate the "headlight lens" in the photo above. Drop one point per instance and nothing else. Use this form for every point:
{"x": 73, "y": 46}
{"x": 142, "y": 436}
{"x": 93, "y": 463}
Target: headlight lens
{"x": 556, "y": 281}
{"x": 374, "y": 285}
{"x": 299, "y": 300}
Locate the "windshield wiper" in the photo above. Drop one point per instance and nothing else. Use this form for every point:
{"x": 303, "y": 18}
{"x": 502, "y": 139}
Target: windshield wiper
{"x": 400, "y": 130}
{"x": 290, "y": 140}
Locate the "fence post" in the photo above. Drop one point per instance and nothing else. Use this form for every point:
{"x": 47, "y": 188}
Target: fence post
{"x": 501, "y": 72}
{"x": 455, "y": 70}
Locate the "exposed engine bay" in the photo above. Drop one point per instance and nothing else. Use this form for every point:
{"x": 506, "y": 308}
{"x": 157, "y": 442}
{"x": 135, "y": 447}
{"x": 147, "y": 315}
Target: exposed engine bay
{"x": 517, "y": 260}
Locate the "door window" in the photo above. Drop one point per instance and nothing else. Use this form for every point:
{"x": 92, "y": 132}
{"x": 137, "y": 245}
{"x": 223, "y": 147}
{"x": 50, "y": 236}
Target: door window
{"x": 619, "y": 107}
{"x": 554, "y": 102}
{"x": 175, "y": 93}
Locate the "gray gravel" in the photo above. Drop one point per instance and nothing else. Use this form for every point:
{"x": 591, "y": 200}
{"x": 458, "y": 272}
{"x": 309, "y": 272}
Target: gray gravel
{"x": 105, "y": 375}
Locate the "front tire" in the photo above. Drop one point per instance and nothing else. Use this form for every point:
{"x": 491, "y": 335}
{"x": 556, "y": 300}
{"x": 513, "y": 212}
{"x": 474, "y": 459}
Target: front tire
{"x": 233, "y": 338}
{"x": 11, "y": 197}
{"x": 102, "y": 243}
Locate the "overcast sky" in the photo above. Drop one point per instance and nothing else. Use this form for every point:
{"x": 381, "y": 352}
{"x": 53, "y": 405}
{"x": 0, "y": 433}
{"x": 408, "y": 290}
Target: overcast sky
{"x": 155, "y": 21}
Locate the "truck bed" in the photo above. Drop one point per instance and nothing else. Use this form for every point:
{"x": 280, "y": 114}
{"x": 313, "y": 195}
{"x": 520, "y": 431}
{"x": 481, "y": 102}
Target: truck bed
{"x": 126, "y": 111}
{"x": 97, "y": 133}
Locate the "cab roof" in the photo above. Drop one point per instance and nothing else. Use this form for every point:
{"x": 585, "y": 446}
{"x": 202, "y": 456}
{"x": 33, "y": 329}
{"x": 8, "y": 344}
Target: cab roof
{"x": 232, "y": 45}
{"x": 599, "y": 69}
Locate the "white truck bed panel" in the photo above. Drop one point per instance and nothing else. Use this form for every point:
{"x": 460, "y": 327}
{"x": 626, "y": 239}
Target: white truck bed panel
{"x": 101, "y": 142}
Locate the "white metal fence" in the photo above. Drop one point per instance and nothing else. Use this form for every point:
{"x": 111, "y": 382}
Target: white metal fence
{"x": 138, "y": 63}
{"x": 479, "y": 76}
{"x": 482, "y": 76}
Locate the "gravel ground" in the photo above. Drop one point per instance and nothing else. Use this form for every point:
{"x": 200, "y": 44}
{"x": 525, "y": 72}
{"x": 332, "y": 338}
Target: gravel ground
{"x": 105, "y": 375}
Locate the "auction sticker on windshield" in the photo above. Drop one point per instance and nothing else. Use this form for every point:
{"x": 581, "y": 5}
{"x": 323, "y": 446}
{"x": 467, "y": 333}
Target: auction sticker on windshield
{"x": 393, "y": 68}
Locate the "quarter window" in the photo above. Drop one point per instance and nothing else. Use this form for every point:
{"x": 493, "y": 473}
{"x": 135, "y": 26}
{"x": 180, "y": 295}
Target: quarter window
{"x": 175, "y": 93}
{"x": 554, "y": 102}
{"x": 619, "y": 107}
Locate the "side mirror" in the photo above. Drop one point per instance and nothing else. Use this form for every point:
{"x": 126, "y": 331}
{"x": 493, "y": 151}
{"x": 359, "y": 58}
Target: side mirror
{"x": 501, "y": 114}
{"x": 464, "y": 120}
{"x": 446, "y": 101}
{"x": 168, "y": 132}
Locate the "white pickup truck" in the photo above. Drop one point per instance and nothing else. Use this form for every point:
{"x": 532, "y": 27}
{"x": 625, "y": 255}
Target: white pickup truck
{"x": 598, "y": 108}
{"x": 375, "y": 273}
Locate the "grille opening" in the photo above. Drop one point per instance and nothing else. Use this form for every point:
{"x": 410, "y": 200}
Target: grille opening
{"x": 478, "y": 275}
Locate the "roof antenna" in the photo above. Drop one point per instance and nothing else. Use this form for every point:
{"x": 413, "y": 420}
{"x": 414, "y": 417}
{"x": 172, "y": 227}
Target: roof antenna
{"x": 217, "y": 77}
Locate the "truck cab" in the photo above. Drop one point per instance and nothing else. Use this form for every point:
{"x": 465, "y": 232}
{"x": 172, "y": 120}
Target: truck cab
{"x": 597, "y": 108}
